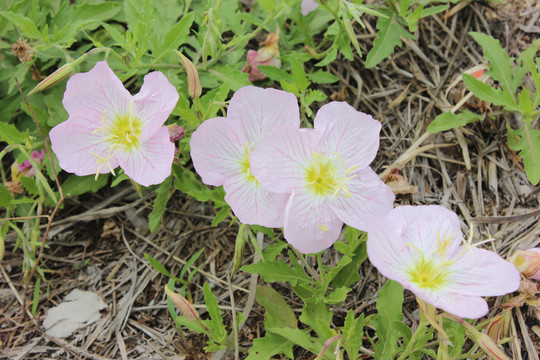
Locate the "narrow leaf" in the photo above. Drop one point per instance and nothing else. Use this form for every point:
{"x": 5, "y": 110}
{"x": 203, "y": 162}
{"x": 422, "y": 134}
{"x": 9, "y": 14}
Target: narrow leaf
{"x": 154, "y": 219}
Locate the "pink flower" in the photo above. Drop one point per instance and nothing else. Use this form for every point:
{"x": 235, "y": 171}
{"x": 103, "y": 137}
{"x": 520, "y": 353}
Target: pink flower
{"x": 420, "y": 247}
{"x": 26, "y": 167}
{"x": 107, "y": 127}
{"x": 221, "y": 148}
{"x": 528, "y": 262}
{"x": 268, "y": 55}
{"x": 308, "y": 6}
{"x": 326, "y": 171}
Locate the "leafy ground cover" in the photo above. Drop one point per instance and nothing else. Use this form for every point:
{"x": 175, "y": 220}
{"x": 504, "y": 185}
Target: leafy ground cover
{"x": 398, "y": 61}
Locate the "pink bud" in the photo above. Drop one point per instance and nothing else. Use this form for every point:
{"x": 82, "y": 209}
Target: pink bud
{"x": 528, "y": 262}
{"x": 185, "y": 307}
{"x": 176, "y": 133}
{"x": 267, "y": 55}
{"x": 55, "y": 77}
{"x": 194, "y": 84}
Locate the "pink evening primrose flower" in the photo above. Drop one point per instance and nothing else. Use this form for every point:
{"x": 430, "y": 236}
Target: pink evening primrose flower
{"x": 221, "y": 148}
{"x": 326, "y": 171}
{"x": 107, "y": 127}
{"x": 420, "y": 247}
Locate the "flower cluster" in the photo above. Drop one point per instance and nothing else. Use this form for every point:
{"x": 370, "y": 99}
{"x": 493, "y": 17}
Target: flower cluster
{"x": 308, "y": 181}
{"x": 107, "y": 127}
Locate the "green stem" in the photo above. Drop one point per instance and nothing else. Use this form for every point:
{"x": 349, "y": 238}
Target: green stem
{"x": 306, "y": 265}
{"x": 418, "y": 332}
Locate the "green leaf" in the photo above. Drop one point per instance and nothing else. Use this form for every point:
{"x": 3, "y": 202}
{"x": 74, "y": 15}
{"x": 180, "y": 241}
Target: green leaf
{"x": 389, "y": 309}
{"x": 337, "y": 296}
{"x": 10, "y": 134}
{"x": 330, "y": 56}
{"x": 30, "y": 185}
{"x": 349, "y": 274}
{"x": 186, "y": 182}
{"x": 322, "y": 77}
{"x": 78, "y": 185}
{"x": 5, "y": 197}
{"x": 177, "y": 35}
{"x": 272, "y": 271}
{"x": 299, "y": 75}
{"x": 154, "y": 219}
{"x": 278, "y": 312}
{"x": 221, "y": 215}
{"x": 118, "y": 37}
{"x": 501, "y": 68}
{"x": 489, "y": 94}
{"x": 300, "y": 337}
{"x": 271, "y": 344}
{"x": 448, "y": 120}
{"x": 216, "y": 324}
{"x": 526, "y": 141}
{"x": 525, "y": 103}
{"x": 157, "y": 266}
{"x": 274, "y": 73}
{"x": 316, "y": 314}
{"x": 353, "y": 331}
{"x": 27, "y": 26}
{"x": 388, "y": 37}
{"x": 97, "y": 12}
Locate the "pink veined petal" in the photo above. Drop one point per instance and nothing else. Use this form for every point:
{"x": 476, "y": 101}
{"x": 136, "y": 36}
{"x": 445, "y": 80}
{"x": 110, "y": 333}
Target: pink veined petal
{"x": 427, "y": 225}
{"x": 385, "y": 249}
{"x": 353, "y": 135}
{"x": 96, "y": 93}
{"x": 151, "y": 163}
{"x": 277, "y": 161}
{"x": 74, "y": 145}
{"x": 479, "y": 272}
{"x": 367, "y": 196}
{"x": 253, "y": 204}
{"x": 154, "y": 103}
{"x": 310, "y": 226}
{"x": 217, "y": 149}
{"x": 469, "y": 307}
{"x": 259, "y": 111}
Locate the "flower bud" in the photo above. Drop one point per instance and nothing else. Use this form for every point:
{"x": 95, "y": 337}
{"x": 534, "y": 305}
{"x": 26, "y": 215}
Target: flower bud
{"x": 176, "y": 132}
{"x": 194, "y": 84}
{"x": 528, "y": 262}
{"x": 239, "y": 247}
{"x": 186, "y": 308}
{"x": 57, "y": 76}
{"x": 267, "y": 55}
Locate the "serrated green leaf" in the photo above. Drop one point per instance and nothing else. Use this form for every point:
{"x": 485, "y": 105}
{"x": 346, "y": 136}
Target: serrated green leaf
{"x": 525, "y": 103}
{"x": 78, "y": 185}
{"x": 154, "y": 219}
{"x": 5, "y": 197}
{"x": 278, "y": 312}
{"x": 489, "y": 94}
{"x": 389, "y": 310}
{"x": 448, "y": 120}
{"x": 274, "y": 250}
{"x": 216, "y": 324}
{"x": 526, "y": 141}
{"x": 27, "y": 26}
{"x": 30, "y": 185}
{"x": 316, "y": 314}
{"x": 271, "y": 344}
{"x": 388, "y": 37}
{"x": 337, "y": 296}
{"x": 272, "y": 271}
{"x": 10, "y": 134}
{"x": 353, "y": 331}
{"x": 501, "y": 68}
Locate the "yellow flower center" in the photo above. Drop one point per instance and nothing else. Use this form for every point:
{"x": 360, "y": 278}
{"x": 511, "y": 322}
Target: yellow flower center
{"x": 123, "y": 133}
{"x": 245, "y": 167}
{"x": 323, "y": 178}
{"x": 428, "y": 273}
{"x": 126, "y": 131}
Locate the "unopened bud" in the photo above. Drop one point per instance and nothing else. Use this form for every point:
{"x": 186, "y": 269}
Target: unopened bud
{"x": 57, "y": 76}
{"x": 176, "y": 133}
{"x": 194, "y": 84}
{"x": 185, "y": 307}
{"x": 528, "y": 262}
{"x": 239, "y": 247}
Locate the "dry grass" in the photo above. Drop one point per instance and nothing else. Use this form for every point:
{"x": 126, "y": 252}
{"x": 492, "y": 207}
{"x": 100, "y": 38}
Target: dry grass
{"x": 469, "y": 170}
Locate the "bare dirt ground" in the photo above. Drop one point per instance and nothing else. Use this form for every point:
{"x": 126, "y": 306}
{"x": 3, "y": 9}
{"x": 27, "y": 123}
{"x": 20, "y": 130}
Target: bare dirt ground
{"x": 470, "y": 170}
